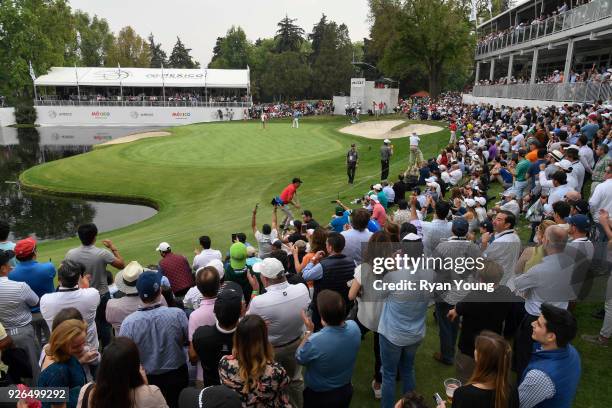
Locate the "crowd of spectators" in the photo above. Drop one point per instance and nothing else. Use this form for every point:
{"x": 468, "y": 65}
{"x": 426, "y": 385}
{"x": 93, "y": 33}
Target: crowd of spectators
{"x": 595, "y": 75}
{"x": 278, "y": 321}
{"x": 288, "y": 109}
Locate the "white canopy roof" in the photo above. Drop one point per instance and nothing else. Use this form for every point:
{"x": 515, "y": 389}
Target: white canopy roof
{"x": 145, "y": 77}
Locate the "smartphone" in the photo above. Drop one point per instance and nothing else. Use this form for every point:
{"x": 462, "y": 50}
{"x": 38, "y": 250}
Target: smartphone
{"x": 234, "y": 238}
{"x": 437, "y": 399}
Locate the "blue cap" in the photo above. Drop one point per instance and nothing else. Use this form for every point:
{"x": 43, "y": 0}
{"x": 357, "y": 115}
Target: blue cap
{"x": 148, "y": 284}
{"x": 460, "y": 227}
{"x": 580, "y": 221}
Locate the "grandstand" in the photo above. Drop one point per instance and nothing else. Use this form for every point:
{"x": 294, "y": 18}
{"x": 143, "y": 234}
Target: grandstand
{"x": 544, "y": 51}
{"x": 137, "y": 96}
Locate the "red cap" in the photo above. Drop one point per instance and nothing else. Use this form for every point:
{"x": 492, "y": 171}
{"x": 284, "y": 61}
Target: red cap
{"x": 593, "y": 115}
{"x": 25, "y": 247}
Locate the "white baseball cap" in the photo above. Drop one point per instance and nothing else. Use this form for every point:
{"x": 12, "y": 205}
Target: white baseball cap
{"x": 163, "y": 247}
{"x": 386, "y": 141}
{"x": 218, "y": 265}
{"x": 269, "y": 267}
{"x": 377, "y": 186}
{"x": 470, "y": 202}
{"x": 481, "y": 200}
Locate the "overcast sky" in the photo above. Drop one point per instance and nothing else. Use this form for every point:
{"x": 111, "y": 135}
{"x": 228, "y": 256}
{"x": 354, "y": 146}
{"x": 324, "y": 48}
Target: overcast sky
{"x": 200, "y": 22}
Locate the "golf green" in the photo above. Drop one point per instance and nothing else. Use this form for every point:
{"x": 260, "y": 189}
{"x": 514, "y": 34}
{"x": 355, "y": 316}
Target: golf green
{"x": 206, "y": 179}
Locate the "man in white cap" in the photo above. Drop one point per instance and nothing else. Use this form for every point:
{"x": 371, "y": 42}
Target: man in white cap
{"x": 281, "y": 307}
{"x": 118, "y": 309}
{"x": 176, "y": 268}
{"x": 386, "y": 151}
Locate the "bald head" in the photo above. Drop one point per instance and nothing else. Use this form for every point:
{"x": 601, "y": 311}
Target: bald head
{"x": 573, "y": 196}
{"x": 555, "y": 239}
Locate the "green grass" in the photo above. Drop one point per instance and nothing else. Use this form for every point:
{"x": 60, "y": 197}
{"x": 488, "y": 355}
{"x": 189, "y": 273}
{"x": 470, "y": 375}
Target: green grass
{"x": 206, "y": 178}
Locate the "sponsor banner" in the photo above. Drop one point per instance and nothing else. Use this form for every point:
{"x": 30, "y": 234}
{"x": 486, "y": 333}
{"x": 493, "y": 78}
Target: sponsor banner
{"x": 358, "y": 82}
{"x": 129, "y": 116}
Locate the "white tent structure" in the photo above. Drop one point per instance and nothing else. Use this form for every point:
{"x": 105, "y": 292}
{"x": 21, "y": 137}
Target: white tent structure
{"x": 145, "y": 77}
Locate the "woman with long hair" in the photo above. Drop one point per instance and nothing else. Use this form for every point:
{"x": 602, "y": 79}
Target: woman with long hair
{"x": 61, "y": 366}
{"x": 489, "y": 386}
{"x": 369, "y": 301}
{"x": 251, "y": 370}
{"x": 316, "y": 243}
{"x": 533, "y": 255}
{"x": 121, "y": 381}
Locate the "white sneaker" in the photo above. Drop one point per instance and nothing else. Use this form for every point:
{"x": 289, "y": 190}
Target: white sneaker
{"x": 377, "y": 392}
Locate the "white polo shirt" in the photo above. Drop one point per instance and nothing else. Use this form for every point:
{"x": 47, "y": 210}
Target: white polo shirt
{"x": 281, "y": 307}
{"x": 204, "y": 258}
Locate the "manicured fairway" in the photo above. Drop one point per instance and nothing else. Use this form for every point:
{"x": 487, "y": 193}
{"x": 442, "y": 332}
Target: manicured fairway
{"x": 205, "y": 179}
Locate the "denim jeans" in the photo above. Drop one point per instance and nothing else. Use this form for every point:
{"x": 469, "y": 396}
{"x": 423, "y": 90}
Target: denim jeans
{"x": 448, "y": 332}
{"x": 103, "y": 327}
{"x": 393, "y": 358}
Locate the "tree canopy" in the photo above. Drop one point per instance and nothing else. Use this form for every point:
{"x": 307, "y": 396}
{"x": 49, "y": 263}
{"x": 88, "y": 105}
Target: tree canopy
{"x": 181, "y": 57}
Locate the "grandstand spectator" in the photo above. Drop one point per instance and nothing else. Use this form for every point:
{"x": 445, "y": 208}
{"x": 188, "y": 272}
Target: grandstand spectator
{"x": 554, "y": 369}
{"x": 548, "y": 280}
{"x": 281, "y": 307}
{"x": 176, "y": 268}
{"x": 5, "y": 244}
{"x": 73, "y": 291}
{"x": 206, "y": 254}
{"x": 402, "y": 324}
{"x": 60, "y": 366}
{"x": 309, "y": 221}
{"x": 120, "y": 380}
{"x": 121, "y": 307}
{"x": 38, "y": 276}
{"x": 599, "y": 169}
{"x": 267, "y": 235}
{"x": 211, "y": 342}
{"x": 506, "y": 246}
{"x": 331, "y": 272}
{"x": 251, "y": 370}
{"x": 356, "y": 235}
{"x": 16, "y": 301}
{"x": 457, "y": 246}
{"x": 330, "y": 354}
{"x": 160, "y": 333}
{"x": 436, "y": 230}
{"x": 95, "y": 261}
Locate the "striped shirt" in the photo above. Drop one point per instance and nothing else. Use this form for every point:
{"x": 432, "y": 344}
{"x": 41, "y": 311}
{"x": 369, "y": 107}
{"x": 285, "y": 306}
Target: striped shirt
{"x": 16, "y": 299}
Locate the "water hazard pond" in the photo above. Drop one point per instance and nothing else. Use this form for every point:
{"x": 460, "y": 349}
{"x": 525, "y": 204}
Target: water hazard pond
{"x": 48, "y": 217}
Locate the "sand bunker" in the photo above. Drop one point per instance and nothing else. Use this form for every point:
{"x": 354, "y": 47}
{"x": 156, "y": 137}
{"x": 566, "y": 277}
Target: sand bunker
{"x": 382, "y": 129}
{"x": 135, "y": 136}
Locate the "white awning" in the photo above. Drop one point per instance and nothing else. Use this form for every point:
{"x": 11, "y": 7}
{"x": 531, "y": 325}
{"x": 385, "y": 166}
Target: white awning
{"x": 145, "y": 77}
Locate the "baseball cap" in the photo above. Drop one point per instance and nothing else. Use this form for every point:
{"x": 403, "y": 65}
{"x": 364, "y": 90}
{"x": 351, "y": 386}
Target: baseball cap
{"x": 580, "y": 221}
{"x": 127, "y": 277}
{"x": 431, "y": 179}
{"x": 25, "y": 247}
{"x": 481, "y": 200}
{"x": 386, "y": 141}
{"x": 508, "y": 193}
{"x": 215, "y": 396}
{"x": 374, "y": 197}
{"x": 470, "y": 202}
{"x": 238, "y": 255}
{"x": 582, "y": 206}
{"x": 218, "y": 265}
{"x": 163, "y": 247}
{"x": 592, "y": 115}
{"x": 564, "y": 164}
{"x": 460, "y": 226}
{"x": 339, "y": 211}
{"x": 377, "y": 186}
{"x": 269, "y": 267}
{"x": 6, "y": 256}
{"x": 148, "y": 284}
{"x": 296, "y": 180}
{"x": 229, "y": 299}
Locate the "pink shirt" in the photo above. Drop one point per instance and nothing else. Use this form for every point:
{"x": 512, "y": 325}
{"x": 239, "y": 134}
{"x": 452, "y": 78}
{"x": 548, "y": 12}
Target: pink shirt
{"x": 202, "y": 316}
{"x": 379, "y": 214}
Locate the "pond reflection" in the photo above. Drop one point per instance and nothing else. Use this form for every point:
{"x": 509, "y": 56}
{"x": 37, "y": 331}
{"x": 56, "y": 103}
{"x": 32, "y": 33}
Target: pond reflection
{"x": 50, "y": 217}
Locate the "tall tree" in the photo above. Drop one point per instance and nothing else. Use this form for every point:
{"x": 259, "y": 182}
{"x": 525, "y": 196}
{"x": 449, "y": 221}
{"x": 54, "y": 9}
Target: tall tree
{"x": 41, "y": 31}
{"x": 233, "y": 51}
{"x": 289, "y": 36}
{"x": 95, "y": 39}
{"x": 158, "y": 55}
{"x": 286, "y": 78}
{"x": 432, "y": 36}
{"x": 180, "y": 57}
{"x": 130, "y": 50}
{"x": 331, "y": 57}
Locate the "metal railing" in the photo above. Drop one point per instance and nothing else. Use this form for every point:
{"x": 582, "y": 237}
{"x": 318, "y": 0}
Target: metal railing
{"x": 182, "y": 104}
{"x": 578, "y": 92}
{"x": 588, "y": 13}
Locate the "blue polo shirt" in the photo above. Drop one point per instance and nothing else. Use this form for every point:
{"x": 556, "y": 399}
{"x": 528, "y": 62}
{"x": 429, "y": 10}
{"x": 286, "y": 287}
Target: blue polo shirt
{"x": 38, "y": 276}
{"x": 506, "y": 175}
{"x": 338, "y": 223}
{"x": 330, "y": 356}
